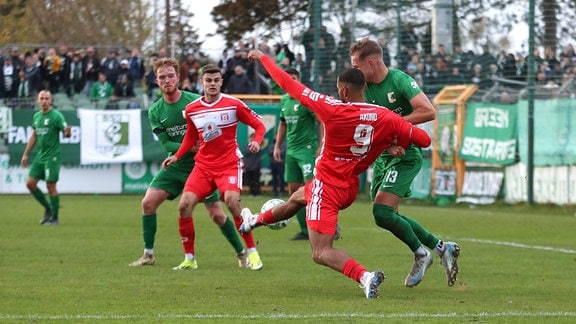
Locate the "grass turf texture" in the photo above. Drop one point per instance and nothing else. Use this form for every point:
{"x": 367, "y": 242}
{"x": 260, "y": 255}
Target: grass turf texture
{"x": 517, "y": 265}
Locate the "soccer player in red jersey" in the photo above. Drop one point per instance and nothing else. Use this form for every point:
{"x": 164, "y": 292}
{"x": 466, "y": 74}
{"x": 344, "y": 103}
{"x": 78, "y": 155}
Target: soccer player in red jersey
{"x": 213, "y": 120}
{"x": 355, "y": 134}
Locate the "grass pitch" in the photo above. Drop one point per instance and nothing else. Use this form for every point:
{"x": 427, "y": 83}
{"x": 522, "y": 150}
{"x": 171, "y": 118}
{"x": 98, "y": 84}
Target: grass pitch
{"x": 517, "y": 265}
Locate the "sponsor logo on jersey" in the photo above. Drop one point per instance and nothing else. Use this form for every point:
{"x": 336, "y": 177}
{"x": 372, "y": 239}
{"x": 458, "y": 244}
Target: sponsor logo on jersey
{"x": 210, "y": 131}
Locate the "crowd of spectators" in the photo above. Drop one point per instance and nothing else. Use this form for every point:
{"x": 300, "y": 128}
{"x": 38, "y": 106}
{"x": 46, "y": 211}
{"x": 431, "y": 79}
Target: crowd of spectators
{"x": 111, "y": 81}
{"x": 106, "y": 82}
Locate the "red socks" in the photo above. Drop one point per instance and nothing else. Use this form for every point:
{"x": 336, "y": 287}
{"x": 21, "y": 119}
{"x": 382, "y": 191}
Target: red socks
{"x": 187, "y": 233}
{"x": 248, "y": 238}
{"x": 354, "y": 270}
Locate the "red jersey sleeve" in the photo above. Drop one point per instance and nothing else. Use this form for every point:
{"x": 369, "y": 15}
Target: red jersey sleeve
{"x": 252, "y": 119}
{"x": 190, "y": 137}
{"x": 317, "y": 102}
{"x": 410, "y": 134}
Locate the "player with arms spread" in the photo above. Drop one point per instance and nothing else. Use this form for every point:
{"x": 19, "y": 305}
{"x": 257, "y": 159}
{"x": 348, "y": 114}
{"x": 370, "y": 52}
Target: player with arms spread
{"x": 396, "y": 168}
{"x": 355, "y": 133}
{"x": 213, "y": 119}
{"x": 168, "y": 123}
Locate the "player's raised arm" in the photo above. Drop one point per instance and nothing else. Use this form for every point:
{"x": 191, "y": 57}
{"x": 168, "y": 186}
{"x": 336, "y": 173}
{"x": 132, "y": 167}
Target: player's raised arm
{"x": 283, "y": 79}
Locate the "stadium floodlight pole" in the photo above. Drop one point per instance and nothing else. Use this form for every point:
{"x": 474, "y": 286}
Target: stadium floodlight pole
{"x": 353, "y": 22}
{"x": 531, "y": 86}
{"x": 317, "y": 20}
{"x": 398, "y": 29}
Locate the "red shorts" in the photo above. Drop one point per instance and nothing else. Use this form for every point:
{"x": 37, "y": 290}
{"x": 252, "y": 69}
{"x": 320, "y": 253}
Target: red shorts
{"x": 203, "y": 180}
{"x": 324, "y": 201}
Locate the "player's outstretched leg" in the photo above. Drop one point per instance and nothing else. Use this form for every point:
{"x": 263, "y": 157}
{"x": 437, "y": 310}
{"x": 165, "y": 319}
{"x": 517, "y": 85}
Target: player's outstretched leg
{"x": 248, "y": 221}
{"x": 450, "y": 261}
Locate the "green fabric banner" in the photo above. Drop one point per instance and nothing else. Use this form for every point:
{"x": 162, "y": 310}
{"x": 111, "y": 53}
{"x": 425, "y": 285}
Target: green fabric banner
{"x": 152, "y": 150}
{"x": 490, "y": 133}
{"x": 554, "y": 132}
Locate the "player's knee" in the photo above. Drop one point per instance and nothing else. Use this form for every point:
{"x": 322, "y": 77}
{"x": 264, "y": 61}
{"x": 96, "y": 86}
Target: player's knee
{"x": 317, "y": 257}
{"x": 383, "y": 215}
{"x": 148, "y": 206}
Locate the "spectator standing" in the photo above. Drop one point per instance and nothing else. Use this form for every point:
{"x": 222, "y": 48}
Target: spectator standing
{"x": 33, "y": 77}
{"x": 136, "y": 67}
{"x": 239, "y": 82}
{"x": 92, "y": 68}
{"x": 189, "y": 70}
{"x": 8, "y": 79}
{"x": 52, "y": 66}
{"x": 111, "y": 67}
{"x": 76, "y": 78}
{"x": 252, "y": 169}
{"x": 277, "y": 169}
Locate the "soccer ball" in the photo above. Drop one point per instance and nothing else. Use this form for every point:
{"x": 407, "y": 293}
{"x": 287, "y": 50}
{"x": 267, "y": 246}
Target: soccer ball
{"x": 269, "y": 205}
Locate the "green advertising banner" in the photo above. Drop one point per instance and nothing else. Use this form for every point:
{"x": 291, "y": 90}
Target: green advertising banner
{"x": 21, "y": 129}
{"x": 490, "y": 133}
{"x": 554, "y": 132}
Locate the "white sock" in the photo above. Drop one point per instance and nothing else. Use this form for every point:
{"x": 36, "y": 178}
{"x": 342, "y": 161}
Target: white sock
{"x": 189, "y": 256}
{"x": 149, "y": 251}
{"x": 250, "y": 250}
{"x": 364, "y": 276}
{"x": 421, "y": 251}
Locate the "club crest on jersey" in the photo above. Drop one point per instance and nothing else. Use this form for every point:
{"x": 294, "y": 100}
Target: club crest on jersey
{"x": 296, "y": 107}
{"x": 224, "y": 117}
{"x": 391, "y": 97}
{"x": 210, "y": 131}
{"x": 46, "y": 121}
{"x": 232, "y": 180}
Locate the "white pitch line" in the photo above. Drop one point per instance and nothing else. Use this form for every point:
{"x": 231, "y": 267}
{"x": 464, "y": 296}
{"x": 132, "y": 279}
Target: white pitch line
{"x": 473, "y": 240}
{"x": 520, "y": 245}
{"x": 292, "y": 316}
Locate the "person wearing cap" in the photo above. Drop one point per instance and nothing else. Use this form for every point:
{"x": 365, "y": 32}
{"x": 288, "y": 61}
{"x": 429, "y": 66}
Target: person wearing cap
{"x": 124, "y": 70}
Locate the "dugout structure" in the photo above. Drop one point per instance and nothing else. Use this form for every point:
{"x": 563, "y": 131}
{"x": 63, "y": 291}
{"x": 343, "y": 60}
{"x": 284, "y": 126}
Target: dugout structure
{"x": 447, "y": 168}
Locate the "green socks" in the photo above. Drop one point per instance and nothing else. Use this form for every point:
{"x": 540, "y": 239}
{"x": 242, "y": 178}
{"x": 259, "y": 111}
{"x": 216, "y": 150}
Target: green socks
{"x": 149, "y": 226}
{"x": 39, "y": 195}
{"x": 55, "y": 202}
{"x": 386, "y": 218}
{"x": 229, "y": 232}
{"x": 301, "y": 216}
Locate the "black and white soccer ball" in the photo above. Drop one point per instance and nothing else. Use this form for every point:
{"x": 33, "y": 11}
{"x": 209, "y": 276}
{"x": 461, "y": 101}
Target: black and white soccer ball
{"x": 269, "y": 204}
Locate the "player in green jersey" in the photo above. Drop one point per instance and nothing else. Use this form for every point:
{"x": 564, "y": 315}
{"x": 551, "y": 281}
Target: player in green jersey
{"x": 396, "y": 168}
{"x": 298, "y": 126}
{"x": 47, "y": 125}
{"x": 168, "y": 123}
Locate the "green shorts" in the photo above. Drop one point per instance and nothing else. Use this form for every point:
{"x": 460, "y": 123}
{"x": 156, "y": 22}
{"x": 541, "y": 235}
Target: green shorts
{"x": 395, "y": 175}
{"x": 46, "y": 170}
{"x": 172, "y": 180}
{"x": 299, "y": 166}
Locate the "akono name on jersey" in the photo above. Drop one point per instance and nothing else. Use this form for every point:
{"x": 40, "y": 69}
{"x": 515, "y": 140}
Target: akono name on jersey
{"x": 369, "y": 117}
